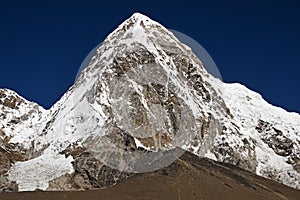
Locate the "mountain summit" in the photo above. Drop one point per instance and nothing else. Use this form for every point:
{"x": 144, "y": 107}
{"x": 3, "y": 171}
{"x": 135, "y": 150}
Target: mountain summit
{"x": 143, "y": 100}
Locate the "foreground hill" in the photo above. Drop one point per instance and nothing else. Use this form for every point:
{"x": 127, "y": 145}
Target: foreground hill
{"x": 190, "y": 177}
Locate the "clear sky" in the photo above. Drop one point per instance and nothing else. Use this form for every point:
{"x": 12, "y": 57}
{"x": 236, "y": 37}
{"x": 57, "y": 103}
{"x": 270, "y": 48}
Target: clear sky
{"x": 256, "y": 43}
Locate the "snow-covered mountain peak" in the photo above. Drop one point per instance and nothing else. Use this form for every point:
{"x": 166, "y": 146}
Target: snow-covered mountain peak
{"x": 136, "y": 21}
{"x": 141, "y": 20}
{"x": 140, "y": 29}
{"x": 145, "y": 93}
{"x": 139, "y": 16}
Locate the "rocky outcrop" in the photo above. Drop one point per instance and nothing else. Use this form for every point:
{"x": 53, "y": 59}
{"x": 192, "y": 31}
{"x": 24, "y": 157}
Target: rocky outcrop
{"x": 280, "y": 144}
{"x": 88, "y": 173}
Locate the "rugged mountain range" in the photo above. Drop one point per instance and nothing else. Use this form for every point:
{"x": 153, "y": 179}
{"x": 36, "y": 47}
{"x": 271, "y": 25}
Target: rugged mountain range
{"x": 143, "y": 100}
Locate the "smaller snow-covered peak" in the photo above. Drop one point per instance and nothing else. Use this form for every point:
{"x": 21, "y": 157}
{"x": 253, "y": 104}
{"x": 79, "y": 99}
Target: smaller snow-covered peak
{"x": 19, "y": 118}
{"x": 10, "y": 99}
{"x": 4, "y": 92}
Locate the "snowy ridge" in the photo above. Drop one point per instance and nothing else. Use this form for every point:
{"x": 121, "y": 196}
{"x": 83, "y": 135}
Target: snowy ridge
{"x": 249, "y": 108}
{"x": 226, "y": 122}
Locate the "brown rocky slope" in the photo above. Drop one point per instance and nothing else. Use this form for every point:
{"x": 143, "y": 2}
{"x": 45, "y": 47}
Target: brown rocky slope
{"x": 190, "y": 177}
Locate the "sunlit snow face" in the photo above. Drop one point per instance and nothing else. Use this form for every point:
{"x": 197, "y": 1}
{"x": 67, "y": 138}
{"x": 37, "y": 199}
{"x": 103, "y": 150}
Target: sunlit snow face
{"x": 149, "y": 108}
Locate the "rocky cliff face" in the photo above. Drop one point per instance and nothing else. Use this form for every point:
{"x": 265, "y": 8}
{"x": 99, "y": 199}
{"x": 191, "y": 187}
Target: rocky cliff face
{"x": 143, "y": 94}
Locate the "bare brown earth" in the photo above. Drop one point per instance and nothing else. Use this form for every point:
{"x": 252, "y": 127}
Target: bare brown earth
{"x": 189, "y": 177}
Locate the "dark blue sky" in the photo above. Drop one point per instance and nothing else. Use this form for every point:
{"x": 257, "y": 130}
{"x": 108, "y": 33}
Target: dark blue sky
{"x": 253, "y": 42}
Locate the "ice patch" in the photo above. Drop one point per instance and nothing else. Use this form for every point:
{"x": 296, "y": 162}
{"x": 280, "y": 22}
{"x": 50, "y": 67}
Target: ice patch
{"x": 36, "y": 173}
